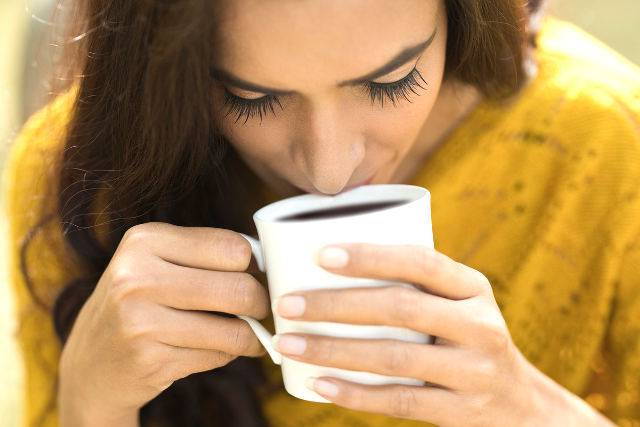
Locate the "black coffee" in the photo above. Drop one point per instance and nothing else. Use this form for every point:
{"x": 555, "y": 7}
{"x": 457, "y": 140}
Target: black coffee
{"x": 342, "y": 210}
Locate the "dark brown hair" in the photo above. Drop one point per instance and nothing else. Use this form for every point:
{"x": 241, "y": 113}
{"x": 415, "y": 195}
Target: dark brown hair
{"x": 141, "y": 144}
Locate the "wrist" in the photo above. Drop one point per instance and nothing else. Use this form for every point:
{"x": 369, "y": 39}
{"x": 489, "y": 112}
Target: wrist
{"x": 78, "y": 414}
{"x": 76, "y": 410}
{"x": 554, "y": 405}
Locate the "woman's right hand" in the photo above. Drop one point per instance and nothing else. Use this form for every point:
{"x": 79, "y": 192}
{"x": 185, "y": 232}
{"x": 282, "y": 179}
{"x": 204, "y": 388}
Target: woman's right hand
{"x": 146, "y": 324}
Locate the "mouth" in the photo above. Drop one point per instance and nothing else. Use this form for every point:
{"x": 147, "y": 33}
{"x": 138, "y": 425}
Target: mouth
{"x": 350, "y": 187}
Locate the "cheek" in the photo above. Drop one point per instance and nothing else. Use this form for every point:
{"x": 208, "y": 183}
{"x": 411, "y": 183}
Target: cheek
{"x": 251, "y": 139}
{"x": 398, "y": 127}
{"x": 264, "y": 143}
{"x": 258, "y": 141}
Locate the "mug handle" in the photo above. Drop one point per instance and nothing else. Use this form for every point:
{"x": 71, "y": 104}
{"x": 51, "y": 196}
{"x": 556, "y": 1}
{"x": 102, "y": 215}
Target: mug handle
{"x": 264, "y": 336}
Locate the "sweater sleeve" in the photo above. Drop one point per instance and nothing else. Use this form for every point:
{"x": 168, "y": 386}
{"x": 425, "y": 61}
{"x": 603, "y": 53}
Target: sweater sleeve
{"x": 622, "y": 400}
{"x": 39, "y": 264}
{"x": 615, "y": 387}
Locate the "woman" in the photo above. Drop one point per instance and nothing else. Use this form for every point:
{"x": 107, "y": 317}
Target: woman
{"x": 184, "y": 117}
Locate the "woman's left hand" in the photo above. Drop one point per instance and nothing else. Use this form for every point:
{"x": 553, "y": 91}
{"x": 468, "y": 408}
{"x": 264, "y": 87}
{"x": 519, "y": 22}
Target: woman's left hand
{"x": 475, "y": 373}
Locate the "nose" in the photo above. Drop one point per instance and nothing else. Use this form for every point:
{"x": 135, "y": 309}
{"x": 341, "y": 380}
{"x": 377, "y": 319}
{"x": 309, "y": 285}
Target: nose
{"x": 329, "y": 146}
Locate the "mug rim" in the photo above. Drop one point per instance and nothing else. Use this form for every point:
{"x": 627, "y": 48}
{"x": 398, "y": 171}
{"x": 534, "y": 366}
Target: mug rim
{"x": 272, "y": 212}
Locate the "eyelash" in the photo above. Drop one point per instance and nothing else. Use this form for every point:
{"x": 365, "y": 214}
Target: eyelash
{"x": 249, "y": 107}
{"x": 393, "y": 91}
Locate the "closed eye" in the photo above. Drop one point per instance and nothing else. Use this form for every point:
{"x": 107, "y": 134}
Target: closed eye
{"x": 240, "y": 107}
{"x": 398, "y": 89}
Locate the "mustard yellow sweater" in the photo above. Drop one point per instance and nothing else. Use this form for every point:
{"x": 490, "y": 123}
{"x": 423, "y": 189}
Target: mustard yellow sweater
{"x": 542, "y": 195}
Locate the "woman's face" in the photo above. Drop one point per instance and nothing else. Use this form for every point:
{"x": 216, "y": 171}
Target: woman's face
{"x": 321, "y": 95}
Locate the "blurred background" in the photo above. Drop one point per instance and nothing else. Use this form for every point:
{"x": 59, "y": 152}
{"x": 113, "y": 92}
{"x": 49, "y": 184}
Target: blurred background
{"x": 25, "y": 65}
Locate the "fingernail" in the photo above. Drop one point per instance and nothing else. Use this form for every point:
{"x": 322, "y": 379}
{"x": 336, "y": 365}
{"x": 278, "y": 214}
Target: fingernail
{"x": 290, "y": 305}
{"x": 323, "y": 387}
{"x": 333, "y": 257}
{"x": 289, "y": 344}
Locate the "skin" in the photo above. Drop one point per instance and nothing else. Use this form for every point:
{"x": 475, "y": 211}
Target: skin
{"x": 480, "y": 377}
{"x": 140, "y": 331}
{"x": 328, "y": 137}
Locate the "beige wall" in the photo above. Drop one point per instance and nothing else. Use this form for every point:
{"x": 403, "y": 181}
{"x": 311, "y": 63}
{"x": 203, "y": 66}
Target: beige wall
{"x": 615, "y": 22}
{"x": 14, "y": 22}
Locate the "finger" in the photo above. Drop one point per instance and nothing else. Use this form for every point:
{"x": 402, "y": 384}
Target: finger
{"x": 420, "y": 265}
{"x": 386, "y": 305}
{"x": 429, "y": 404}
{"x": 189, "y": 288}
{"x": 198, "y": 247}
{"x": 446, "y": 366}
{"x": 199, "y": 330}
{"x": 187, "y": 361}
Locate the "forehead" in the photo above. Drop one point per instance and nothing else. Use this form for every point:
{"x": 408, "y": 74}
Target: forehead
{"x": 284, "y": 43}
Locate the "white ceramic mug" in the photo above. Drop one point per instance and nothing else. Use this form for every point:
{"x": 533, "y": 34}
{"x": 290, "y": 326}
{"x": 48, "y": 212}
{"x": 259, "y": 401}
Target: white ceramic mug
{"x": 287, "y": 252}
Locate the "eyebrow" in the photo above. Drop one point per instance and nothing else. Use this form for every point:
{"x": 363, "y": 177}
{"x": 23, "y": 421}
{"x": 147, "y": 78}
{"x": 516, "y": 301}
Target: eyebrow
{"x": 230, "y": 79}
{"x": 401, "y": 58}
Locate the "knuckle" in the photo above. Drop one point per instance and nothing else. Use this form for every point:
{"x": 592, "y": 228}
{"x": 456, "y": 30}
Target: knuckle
{"x": 428, "y": 260}
{"x": 478, "y": 404}
{"x": 238, "y": 248}
{"x": 486, "y": 370}
{"x": 159, "y": 386}
{"x": 156, "y": 367}
{"x": 324, "y": 349}
{"x": 125, "y": 280}
{"x": 177, "y": 374}
{"x": 483, "y": 283}
{"x": 146, "y": 361}
{"x": 397, "y": 357}
{"x": 330, "y": 303}
{"x": 495, "y": 333}
{"x": 365, "y": 252}
{"x": 241, "y": 338}
{"x": 403, "y": 304}
{"x": 221, "y": 359}
{"x": 245, "y": 292}
{"x": 403, "y": 402}
{"x": 215, "y": 360}
{"x": 134, "y": 325}
{"x": 240, "y": 292}
{"x": 351, "y": 397}
{"x": 139, "y": 233}
{"x": 122, "y": 275}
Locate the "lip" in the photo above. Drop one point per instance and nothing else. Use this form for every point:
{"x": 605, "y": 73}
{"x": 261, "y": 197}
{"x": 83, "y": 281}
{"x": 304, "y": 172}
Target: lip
{"x": 350, "y": 187}
{"x": 359, "y": 185}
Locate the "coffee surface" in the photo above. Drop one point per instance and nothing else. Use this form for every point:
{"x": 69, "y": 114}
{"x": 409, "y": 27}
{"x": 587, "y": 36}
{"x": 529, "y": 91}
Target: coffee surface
{"x": 354, "y": 209}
